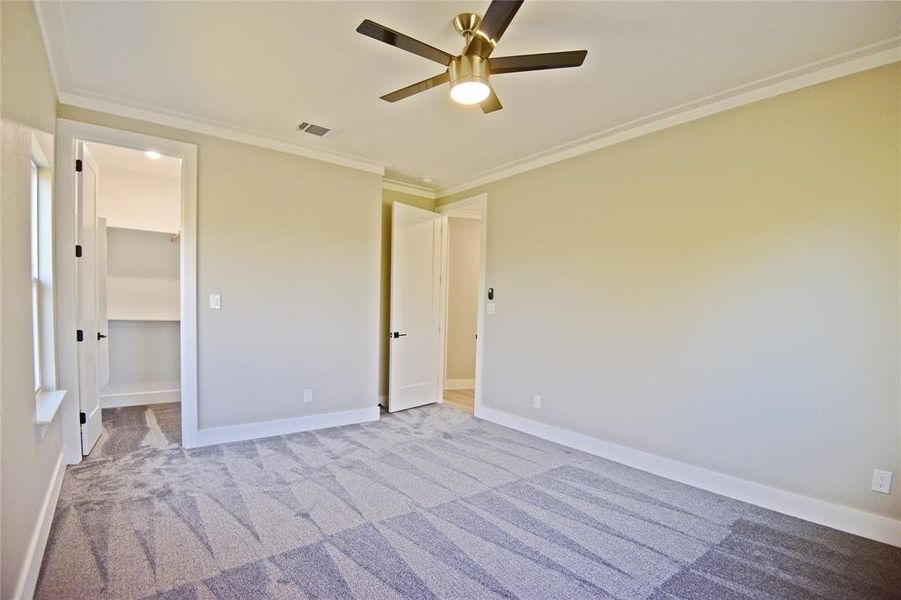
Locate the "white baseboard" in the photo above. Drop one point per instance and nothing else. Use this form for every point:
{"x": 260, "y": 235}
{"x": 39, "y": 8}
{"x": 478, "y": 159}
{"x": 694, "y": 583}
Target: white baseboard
{"x": 852, "y": 520}
{"x": 34, "y": 555}
{"x": 139, "y": 398}
{"x": 459, "y": 384}
{"x": 250, "y": 431}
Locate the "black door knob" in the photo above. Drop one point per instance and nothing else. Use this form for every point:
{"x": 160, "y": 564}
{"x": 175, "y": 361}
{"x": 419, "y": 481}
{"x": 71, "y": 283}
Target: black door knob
{"x": 398, "y": 334}
{"x": 100, "y": 336}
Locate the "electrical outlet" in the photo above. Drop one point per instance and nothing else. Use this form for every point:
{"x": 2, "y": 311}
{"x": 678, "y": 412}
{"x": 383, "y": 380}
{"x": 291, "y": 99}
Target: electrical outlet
{"x": 882, "y": 481}
{"x": 307, "y": 396}
{"x": 215, "y": 301}
{"x": 536, "y": 401}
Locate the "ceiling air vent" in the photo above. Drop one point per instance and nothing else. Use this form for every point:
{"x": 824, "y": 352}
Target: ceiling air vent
{"x": 317, "y": 130}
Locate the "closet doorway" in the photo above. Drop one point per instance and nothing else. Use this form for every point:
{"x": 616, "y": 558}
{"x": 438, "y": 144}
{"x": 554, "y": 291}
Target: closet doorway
{"x": 129, "y": 208}
{"x": 130, "y": 205}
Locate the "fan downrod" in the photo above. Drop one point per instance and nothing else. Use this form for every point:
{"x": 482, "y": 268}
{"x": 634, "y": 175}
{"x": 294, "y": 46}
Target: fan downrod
{"x": 467, "y": 24}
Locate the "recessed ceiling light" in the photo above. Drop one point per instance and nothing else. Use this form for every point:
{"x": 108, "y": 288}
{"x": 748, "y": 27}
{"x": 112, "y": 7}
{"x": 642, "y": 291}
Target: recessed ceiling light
{"x": 427, "y": 180}
{"x": 153, "y": 155}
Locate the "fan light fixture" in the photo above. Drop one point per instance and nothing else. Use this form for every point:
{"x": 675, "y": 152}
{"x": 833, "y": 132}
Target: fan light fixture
{"x": 470, "y": 92}
{"x": 469, "y": 79}
{"x": 469, "y": 71}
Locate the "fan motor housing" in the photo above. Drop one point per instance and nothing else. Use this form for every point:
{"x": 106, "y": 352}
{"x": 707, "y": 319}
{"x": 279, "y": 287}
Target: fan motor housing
{"x": 468, "y": 68}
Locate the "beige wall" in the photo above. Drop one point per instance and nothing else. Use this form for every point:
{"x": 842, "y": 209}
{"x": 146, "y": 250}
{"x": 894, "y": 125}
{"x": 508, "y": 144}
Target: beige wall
{"x": 389, "y": 197}
{"x": 463, "y": 296}
{"x": 292, "y": 245}
{"x": 138, "y": 200}
{"x": 27, "y": 104}
{"x": 723, "y": 293}
{"x": 142, "y": 281}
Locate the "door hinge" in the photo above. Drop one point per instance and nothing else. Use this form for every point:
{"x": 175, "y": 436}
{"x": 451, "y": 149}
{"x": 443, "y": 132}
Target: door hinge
{"x": 82, "y": 418}
{"x": 78, "y": 165}
{"x": 79, "y": 335}
{"x": 77, "y": 250}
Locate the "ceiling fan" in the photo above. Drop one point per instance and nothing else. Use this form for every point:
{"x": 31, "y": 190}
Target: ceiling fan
{"x": 469, "y": 72}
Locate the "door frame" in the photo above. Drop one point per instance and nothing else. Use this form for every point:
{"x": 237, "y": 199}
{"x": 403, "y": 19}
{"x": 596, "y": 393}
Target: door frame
{"x": 67, "y": 133}
{"x": 450, "y": 210}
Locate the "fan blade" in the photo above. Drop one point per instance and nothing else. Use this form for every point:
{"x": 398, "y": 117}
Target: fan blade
{"x": 421, "y": 86}
{"x": 491, "y": 103}
{"x": 537, "y": 62}
{"x": 404, "y": 42}
{"x": 492, "y": 27}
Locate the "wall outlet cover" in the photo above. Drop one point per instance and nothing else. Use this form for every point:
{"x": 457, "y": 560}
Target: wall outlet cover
{"x": 882, "y": 481}
{"x": 536, "y": 401}
{"x": 307, "y": 396}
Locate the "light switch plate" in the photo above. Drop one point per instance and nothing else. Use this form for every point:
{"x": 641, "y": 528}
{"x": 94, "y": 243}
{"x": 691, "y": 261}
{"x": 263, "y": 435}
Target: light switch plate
{"x": 490, "y": 308}
{"x": 307, "y": 395}
{"x": 215, "y": 301}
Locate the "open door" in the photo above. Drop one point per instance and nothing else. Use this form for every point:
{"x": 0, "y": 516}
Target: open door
{"x": 415, "y": 340}
{"x": 86, "y": 277}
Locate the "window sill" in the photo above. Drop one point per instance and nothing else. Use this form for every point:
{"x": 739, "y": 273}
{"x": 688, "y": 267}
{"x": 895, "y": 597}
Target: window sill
{"x": 48, "y": 403}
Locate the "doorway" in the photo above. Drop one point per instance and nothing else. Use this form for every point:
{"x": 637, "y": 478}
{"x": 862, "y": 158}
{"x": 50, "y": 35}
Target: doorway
{"x": 464, "y": 290}
{"x": 419, "y": 309}
{"x": 130, "y": 203}
{"x": 129, "y": 206}
{"x": 463, "y": 240}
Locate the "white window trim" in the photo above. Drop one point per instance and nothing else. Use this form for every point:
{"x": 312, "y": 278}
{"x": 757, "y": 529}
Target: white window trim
{"x": 34, "y": 202}
{"x": 48, "y": 398}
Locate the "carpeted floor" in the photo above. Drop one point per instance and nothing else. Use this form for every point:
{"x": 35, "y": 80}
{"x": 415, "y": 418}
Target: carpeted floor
{"x": 428, "y": 503}
{"x": 130, "y": 428}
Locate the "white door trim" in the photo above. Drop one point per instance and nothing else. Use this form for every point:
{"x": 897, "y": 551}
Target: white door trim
{"x": 67, "y": 132}
{"x": 449, "y": 210}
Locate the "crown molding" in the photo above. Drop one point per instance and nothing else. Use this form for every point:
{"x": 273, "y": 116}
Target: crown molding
{"x": 862, "y": 59}
{"x": 51, "y": 20}
{"x": 409, "y": 188}
{"x": 52, "y": 23}
{"x": 219, "y": 130}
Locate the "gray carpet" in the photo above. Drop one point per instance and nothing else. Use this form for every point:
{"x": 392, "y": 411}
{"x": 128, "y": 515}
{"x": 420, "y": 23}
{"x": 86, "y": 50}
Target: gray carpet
{"x": 428, "y": 503}
{"x": 129, "y": 428}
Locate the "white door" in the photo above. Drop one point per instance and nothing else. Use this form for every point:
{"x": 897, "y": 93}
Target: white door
{"x": 88, "y": 388}
{"x": 414, "y": 367}
{"x": 102, "y": 321}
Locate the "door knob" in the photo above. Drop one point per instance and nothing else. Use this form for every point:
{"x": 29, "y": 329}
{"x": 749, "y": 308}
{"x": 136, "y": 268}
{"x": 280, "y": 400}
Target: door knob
{"x": 100, "y": 336}
{"x": 398, "y": 334}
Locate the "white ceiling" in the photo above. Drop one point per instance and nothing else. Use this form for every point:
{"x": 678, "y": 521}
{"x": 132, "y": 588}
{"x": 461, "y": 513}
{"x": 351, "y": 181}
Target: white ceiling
{"x": 134, "y": 161}
{"x": 261, "y": 68}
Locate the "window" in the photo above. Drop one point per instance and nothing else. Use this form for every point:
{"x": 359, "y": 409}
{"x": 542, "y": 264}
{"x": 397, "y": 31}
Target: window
{"x": 47, "y": 398}
{"x": 36, "y": 276}
{"x": 41, "y": 235}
